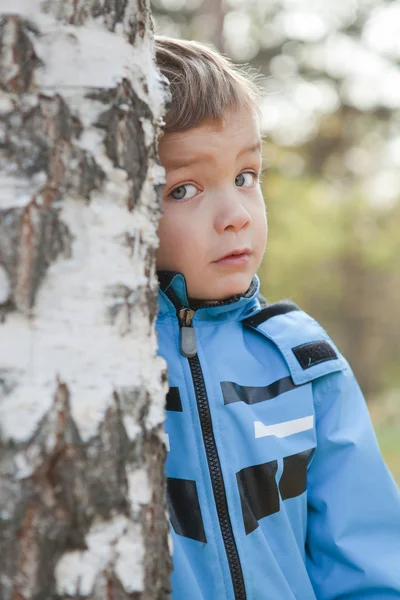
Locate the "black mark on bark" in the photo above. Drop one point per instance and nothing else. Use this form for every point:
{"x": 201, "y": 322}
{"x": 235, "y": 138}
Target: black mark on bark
{"x": 125, "y": 141}
{"x": 31, "y": 238}
{"x": 44, "y": 140}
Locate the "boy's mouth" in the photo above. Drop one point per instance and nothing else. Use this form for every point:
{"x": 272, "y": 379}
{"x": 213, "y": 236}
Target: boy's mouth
{"x": 236, "y": 257}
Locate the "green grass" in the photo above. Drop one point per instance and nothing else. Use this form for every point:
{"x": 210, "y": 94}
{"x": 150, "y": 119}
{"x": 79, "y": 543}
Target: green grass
{"x": 389, "y": 442}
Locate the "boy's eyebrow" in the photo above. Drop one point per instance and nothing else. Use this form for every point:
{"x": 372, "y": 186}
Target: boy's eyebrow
{"x": 176, "y": 164}
{"x": 257, "y": 147}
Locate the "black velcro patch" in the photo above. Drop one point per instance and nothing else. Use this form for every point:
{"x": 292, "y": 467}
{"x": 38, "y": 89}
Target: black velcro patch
{"x": 293, "y": 482}
{"x": 174, "y": 400}
{"x": 184, "y": 509}
{"x": 313, "y": 353}
{"x": 259, "y": 494}
{"x": 233, "y": 392}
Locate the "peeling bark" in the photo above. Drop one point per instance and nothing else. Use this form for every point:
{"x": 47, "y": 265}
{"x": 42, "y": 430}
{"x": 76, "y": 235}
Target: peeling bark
{"x": 82, "y": 492}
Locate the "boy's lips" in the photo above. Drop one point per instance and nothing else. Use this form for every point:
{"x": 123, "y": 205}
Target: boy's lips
{"x": 237, "y": 257}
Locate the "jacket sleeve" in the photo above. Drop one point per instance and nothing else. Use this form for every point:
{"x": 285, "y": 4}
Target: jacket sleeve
{"x": 353, "y": 535}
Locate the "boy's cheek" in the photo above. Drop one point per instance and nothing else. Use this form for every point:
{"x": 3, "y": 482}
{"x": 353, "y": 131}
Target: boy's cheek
{"x": 175, "y": 247}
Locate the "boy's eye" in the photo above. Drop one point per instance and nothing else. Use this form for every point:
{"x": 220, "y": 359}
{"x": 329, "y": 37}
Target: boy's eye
{"x": 184, "y": 192}
{"x": 246, "y": 179}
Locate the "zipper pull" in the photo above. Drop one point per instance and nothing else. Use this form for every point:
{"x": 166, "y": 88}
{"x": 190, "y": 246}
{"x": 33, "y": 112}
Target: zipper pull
{"x": 188, "y": 333}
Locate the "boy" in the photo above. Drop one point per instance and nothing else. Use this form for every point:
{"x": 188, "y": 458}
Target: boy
{"x": 276, "y": 486}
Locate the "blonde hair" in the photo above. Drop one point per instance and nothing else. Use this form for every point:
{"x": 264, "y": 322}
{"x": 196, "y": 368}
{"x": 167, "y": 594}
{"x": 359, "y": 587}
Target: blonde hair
{"x": 203, "y": 83}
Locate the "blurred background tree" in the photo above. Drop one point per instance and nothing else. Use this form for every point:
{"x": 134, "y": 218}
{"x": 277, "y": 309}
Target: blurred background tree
{"x": 330, "y": 75}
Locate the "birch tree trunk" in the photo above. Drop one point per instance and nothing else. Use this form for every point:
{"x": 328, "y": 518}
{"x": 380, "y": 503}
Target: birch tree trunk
{"x": 82, "y": 503}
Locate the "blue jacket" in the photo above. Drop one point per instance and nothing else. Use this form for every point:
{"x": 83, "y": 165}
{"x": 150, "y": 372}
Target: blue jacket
{"x": 276, "y": 486}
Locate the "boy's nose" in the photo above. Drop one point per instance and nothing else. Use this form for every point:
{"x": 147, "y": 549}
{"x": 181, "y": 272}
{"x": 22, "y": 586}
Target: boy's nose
{"x": 232, "y": 216}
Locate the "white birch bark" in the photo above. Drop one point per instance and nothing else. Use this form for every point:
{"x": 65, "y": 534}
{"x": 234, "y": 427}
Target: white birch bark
{"x": 82, "y": 503}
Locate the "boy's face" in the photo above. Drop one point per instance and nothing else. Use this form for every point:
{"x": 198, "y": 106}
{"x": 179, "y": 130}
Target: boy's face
{"x": 213, "y": 207}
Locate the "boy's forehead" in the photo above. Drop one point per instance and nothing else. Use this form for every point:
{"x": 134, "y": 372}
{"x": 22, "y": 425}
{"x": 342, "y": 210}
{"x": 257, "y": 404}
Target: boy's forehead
{"x": 237, "y": 135}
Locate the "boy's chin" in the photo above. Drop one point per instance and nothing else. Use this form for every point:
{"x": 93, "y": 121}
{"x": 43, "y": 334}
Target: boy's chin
{"x": 235, "y": 285}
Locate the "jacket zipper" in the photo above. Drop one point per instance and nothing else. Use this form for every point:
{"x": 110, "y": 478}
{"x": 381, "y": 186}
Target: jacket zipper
{"x": 188, "y": 349}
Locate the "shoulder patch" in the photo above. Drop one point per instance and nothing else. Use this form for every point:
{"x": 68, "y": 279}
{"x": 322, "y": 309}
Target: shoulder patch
{"x": 306, "y": 347}
{"x": 313, "y": 353}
